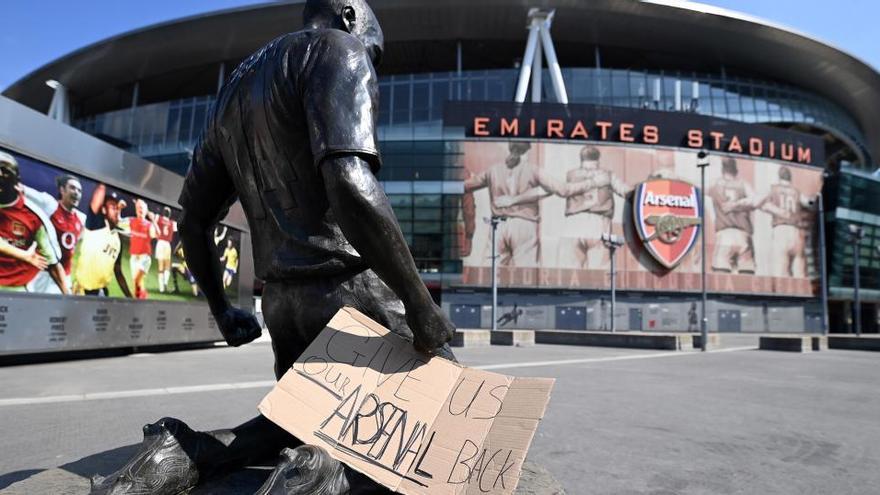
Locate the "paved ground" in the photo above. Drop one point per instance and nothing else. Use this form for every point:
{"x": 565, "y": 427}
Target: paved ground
{"x": 620, "y": 421}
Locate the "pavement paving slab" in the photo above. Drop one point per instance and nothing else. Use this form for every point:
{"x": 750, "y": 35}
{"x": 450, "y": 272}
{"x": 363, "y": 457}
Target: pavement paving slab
{"x": 621, "y": 421}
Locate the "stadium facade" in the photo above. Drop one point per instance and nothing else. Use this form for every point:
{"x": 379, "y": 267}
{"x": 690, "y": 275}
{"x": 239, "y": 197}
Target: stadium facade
{"x": 782, "y": 116}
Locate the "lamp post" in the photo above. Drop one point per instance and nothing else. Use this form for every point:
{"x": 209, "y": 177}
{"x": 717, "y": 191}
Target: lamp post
{"x": 494, "y": 220}
{"x": 855, "y": 234}
{"x": 612, "y": 242}
{"x": 702, "y": 163}
{"x": 823, "y": 266}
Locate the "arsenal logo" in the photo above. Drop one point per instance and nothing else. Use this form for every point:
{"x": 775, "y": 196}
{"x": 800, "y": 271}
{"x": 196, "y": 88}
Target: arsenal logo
{"x": 667, "y": 217}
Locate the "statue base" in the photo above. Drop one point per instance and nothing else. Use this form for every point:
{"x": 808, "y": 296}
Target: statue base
{"x": 535, "y": 480}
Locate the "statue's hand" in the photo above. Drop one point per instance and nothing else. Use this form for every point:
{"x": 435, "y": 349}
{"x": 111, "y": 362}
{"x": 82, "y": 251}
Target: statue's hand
{"x": 431, "y": 328}
{"x": 238, "y": 326}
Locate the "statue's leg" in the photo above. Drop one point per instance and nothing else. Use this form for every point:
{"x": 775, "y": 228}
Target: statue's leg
{"x": 174, "y": 458}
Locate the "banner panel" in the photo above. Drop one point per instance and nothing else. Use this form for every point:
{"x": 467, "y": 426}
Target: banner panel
{"x": 65, "y": 234}
{"x": 559, "y": 198}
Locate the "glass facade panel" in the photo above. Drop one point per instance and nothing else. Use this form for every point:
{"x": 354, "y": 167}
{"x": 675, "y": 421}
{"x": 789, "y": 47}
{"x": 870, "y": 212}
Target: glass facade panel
{"x": 423, "y": 171}
{"x": 415, "y": 103}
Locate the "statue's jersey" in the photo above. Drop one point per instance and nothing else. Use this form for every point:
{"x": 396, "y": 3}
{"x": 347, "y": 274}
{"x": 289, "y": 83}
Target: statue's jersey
{"x": 724, "y": 194}
{"x": 302, "y": 98}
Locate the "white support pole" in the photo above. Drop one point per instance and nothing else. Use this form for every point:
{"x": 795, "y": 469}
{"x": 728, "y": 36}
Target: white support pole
{"x": 657, "y": 94}
{"x": 525, "y": 70}
{"x": 678, "y": 95}
{"x": 221, "y": 76}
{"x": 536, "y": 74}
{"x": 553, "y": 65}
{"x": 59, "y": 107}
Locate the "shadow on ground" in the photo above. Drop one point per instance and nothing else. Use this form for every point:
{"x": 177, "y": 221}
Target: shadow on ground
{"x": 73, "y": 478}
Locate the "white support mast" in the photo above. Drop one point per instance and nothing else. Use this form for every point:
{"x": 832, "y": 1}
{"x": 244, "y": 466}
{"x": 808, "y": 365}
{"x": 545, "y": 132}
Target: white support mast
{"x": 540, "y": 43}
{"x": 59, "y": 108}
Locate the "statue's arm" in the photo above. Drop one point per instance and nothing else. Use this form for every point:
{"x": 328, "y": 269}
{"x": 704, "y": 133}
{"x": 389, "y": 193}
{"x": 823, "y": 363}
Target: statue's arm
{"x": 207, "y": 194}
{"x": 339, "y": 91}
{"x": 120, "y": 278}
{"x": 362, "y": 210}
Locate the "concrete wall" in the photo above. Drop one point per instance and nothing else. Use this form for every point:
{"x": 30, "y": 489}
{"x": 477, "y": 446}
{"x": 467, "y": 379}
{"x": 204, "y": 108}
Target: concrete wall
{"x": 641, "y": 311}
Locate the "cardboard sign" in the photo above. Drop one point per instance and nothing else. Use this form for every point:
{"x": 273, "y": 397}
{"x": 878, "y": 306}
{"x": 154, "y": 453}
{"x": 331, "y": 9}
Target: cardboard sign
{"x": 415, "y": 425}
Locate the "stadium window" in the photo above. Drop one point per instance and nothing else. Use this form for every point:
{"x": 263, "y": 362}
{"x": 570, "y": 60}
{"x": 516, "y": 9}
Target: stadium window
{"x": 427, "y": 200}
{"x": 427, "y": 228}
{"x": 400, "y": 200}
{"x": 401, "y": 104}
{"x": 384, "y": 104}
{"x": 420, "y": 101}
{"x": 185, "y": 134}
{"x": 439, "y": 96}
{"x": 433, "y": 214}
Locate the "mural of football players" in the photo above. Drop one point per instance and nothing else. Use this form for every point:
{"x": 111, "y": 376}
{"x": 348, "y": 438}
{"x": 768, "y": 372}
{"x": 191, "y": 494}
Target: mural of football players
{"x": 165, "y": 227}
{"x": 99, "y": 251}
{"x": 787, "y": 207}
{"x": 230, "y": 258}
{"x": 510, "y": 186}
{"x": 28, "y": 243}
{"x": 68, "y": 222}
{"x": 589, "y": 213}
{"x": 515, "y": 190}
{"x": 734, "y": 202}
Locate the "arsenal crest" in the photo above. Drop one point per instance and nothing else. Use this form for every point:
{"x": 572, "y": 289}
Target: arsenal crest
{"x": 667, "y": 217}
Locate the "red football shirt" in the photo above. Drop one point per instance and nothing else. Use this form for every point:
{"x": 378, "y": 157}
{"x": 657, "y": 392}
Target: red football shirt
{"x": 140, "y": 236}
{"x": 166, "y": 229}
{"x": 68, "y": 226}
{"x": 18, "y": 226}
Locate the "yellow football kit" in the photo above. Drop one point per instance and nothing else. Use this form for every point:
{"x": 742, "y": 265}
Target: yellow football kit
{"x": 97, "y": 257}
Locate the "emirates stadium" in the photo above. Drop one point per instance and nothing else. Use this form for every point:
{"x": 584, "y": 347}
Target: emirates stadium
{"x": 555, "y": 139}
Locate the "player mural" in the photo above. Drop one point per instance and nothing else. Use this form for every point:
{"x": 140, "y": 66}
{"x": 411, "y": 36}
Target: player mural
{"x": 759, "y": 218}
{"x": 63, "y": 234}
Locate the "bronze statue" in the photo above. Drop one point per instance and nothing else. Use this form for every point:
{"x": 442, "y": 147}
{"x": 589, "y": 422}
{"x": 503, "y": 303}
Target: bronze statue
{"x": 292, "y": 136}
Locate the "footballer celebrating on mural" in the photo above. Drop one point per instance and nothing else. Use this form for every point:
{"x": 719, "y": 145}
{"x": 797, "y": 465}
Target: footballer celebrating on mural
{"x": 165, "y": 227}
{"x": 734, "y": 202}
{"x": 28, "y": 242}
{"x": 99, "y": 251}
{"x": 68, "y": 222}
{"x": 143, "y": 230}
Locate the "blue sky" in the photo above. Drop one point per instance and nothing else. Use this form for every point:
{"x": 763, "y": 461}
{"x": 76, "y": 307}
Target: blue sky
{"x": 38, "y": 31}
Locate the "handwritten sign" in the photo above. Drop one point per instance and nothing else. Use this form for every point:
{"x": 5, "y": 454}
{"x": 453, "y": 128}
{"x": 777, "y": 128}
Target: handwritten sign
{"x": 417, "y": 426}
